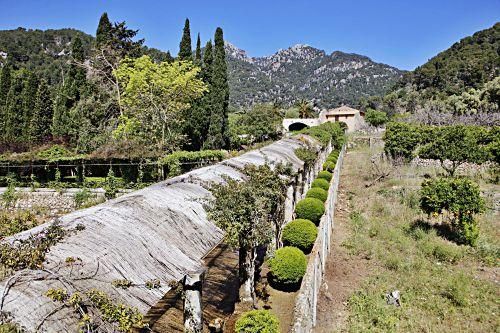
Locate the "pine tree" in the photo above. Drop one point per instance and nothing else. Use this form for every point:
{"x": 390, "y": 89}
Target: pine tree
{"x": 104, "y": 30}
{"x": 77, "y": 72}
{"x": 218, "y": 132}
{"x": 169, "y": 58}
{"x": 42, "y": 114}
{"x": 185, "y": 50}
{"x": 197, "y": 54}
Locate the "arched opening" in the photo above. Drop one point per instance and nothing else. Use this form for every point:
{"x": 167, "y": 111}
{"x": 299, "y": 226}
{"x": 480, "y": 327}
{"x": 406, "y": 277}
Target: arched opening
{"x": 296, "y": 127}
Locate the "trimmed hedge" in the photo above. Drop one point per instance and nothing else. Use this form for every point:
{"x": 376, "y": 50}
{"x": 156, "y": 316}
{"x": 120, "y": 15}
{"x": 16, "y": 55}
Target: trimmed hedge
{"x": 317, "y": 193}
{"x": 321, "y": 183}
{"x": 329, "y": 166}
{"x": 325, "y": 175}
{"x": 300, "y": 234}
{"x": 257, "y": 321}
{"x": 310, "y": 209}
{"x": 332, "y": 159}
{"x": 288, "y": 266}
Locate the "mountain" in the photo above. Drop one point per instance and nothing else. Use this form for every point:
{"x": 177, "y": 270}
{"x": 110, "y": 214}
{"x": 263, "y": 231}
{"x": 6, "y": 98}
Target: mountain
{"x": 469, "y": 63}
{"x": 304, "y": 72}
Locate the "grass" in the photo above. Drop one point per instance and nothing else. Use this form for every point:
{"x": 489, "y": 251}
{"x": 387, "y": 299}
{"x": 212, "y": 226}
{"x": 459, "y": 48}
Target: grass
{"x": 443, "y": 286}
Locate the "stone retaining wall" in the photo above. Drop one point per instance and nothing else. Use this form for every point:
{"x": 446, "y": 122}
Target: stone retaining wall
{"x": 304, "y": 317}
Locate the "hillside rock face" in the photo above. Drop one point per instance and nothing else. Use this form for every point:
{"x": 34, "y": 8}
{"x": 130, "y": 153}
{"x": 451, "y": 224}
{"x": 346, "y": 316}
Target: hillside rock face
{"x": 304, "y": 72}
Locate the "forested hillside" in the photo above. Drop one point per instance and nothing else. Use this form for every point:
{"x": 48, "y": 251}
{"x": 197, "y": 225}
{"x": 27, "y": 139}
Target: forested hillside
{"x": 304, "y": 72}
{"x": 460, "y": 84}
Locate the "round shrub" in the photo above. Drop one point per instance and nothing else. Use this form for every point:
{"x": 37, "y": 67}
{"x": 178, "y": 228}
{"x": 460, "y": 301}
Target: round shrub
{"x": 332, "y": 159}
{"x": 300, "y": 234}
{"x": 325, "y": 175}
{"x": 334, "y": 153}
{"x": 257, "y": 321}
{"x": 288, "y": 266}
{"x": 310, "y": 209}
{"x": 329, "y": 166}
{"x": 317, "y": 193}
{"x": 321, "y": 183}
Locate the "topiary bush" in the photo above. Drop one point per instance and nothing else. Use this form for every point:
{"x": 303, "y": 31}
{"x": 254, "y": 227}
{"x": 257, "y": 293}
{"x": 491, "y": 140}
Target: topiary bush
{"x": 257, "y": 321}
{"x": 332, "y": 159}
{"x": 288, "y": 266}
{"x": 321, "y": 183}
{"x": 325, "y": 175}
{"x": 317, "y": 193}
{"x": 300, "y": 234}
{"x": 310, "y": 209}
{"x": 329, "y": 166}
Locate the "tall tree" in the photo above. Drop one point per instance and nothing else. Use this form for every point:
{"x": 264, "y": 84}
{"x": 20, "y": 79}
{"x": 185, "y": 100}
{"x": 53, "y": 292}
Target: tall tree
{"x": 197, "y": 54}
{"x": 5, "y": 82}
{"x": 14, "y": 106}
{"x": 218, "y": 132}
{"x": 185, "y": 49}
{"x": 28, "y": 99}
{"x": 103, "y": 33}
{"x": 42, "y": 114}
{"x": 168, "y": 57}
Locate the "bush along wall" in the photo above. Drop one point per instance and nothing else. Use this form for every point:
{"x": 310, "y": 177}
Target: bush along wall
{"x": 301, "y": 234}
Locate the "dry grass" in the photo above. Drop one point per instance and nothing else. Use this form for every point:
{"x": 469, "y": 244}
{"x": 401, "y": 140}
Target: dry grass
{"x": 444, "y": 287}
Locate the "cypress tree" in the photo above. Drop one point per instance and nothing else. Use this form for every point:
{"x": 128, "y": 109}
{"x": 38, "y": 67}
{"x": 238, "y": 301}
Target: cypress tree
{"x": 28, "y": 103}
{"x": 14, "y": 106}
{"x": 76, "y": 72}
{"x": 42, "y": 114}
{"x": 104, "y": 29}
{"x": 169, "y": 58}
{"x": 185, "y": 50}
{"x": 5, "y": 82}
{"x": 197, "y": 54}
{"x": 218, "y": 132}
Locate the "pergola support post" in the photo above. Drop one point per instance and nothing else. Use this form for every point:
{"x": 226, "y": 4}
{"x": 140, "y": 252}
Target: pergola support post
{"x": 193, "y": 312}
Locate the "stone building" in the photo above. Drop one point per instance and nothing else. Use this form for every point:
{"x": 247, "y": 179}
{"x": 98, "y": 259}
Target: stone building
{"x": 352, "y": 117}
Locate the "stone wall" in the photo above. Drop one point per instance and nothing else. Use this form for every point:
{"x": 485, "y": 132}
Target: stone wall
{"x": 304, "y": 317}
{"x": 49, "y": 201}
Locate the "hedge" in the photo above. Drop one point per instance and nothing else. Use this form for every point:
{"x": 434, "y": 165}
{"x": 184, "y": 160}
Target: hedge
{"x": 317, "y": 193}
{"x": 329, "y": 166}
{"x": 310, "y": 209}
{"x": 300, "y": 234}
{"x": 332, "y": 159}
{"x": 325, "y": 175}
{"x": 288, "y": 266}
{"x": 321, "y": 183}
{"x": 257, "y": 321}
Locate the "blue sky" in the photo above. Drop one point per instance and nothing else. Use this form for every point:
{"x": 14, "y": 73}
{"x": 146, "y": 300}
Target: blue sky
{"x": 404, "y": 33}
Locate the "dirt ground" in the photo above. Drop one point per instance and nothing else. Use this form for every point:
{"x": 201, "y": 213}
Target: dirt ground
{"x": 344, "y": 272}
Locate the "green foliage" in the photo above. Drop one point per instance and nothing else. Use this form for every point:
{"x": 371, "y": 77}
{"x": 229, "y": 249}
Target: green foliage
{"x": 9, "y": 197}
{"x": 104, "y": 30}
{"x": 288, "y": 266}
{"x": 376, "y": 118}
{"x": 307, "y": 155}
{"x": 329, "y": 166}
{"x": 173, "y": 161}
{"x": 301, "y": 234}
{"x": 154, "y": 96}
{"x": 321, "y": 183}
{"x": 460, "y": 197}
{"x": 127, "y": 318}
{"x": 82, "y": 197}
{"x": 30, "y": 253}
{"x": 325, "y": 175}
{"x": 257, "y": 321}
{"x": 111, "y": 186}
{"x": 11, "y": 224}
{"x": 317, "y": 193}
{"x": 310, "y": 209}
{"x": 401, "y": 139}
{"x": 121, "y": 283}
{"x": 58, "y": 295}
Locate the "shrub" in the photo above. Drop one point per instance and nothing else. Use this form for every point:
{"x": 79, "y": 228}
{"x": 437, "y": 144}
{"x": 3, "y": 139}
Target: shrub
{"x": 459, "y": 196}
{"x": 325, "y": 175}
{"x": 310, "y": 209}
{"x": 332, "y": 159}
{"x": 308, "y": 156}
{"x": 317, "y": 193}
{"x": 321, "y": 183}
{"x": 257, "y": 321}
{"x": 329, "y": 166}
{"x": 376, "y": 118}
{"x": 300, "y": 234}
{"x": 288, "y": 266}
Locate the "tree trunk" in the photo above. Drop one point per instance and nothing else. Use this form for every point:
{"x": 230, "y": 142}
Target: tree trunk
{"x": 193, "y": 314}
{"x": 247, "y": 274}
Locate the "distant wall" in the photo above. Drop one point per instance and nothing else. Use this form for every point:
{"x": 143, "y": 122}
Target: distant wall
{"x": 304, "y": 317}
